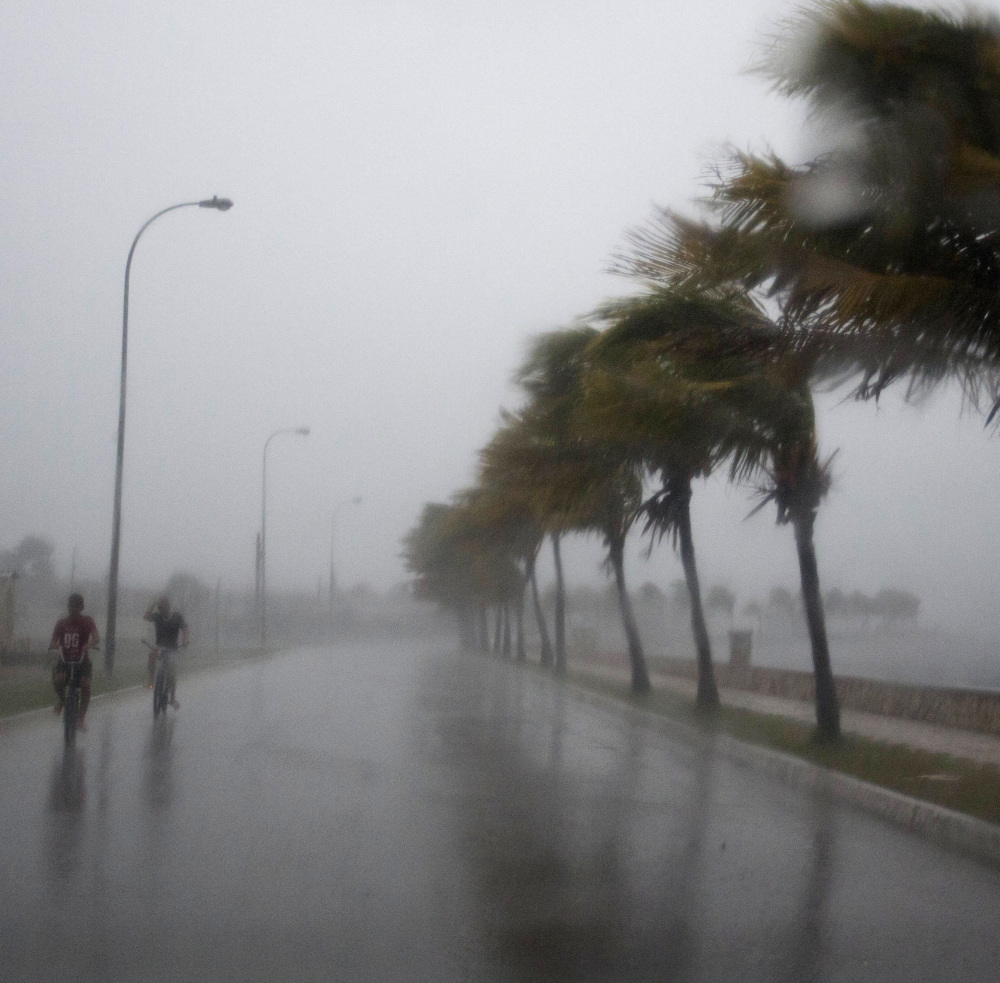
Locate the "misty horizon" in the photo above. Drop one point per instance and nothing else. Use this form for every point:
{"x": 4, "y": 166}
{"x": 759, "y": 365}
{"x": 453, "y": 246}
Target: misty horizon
{"x": 419, "y": 188}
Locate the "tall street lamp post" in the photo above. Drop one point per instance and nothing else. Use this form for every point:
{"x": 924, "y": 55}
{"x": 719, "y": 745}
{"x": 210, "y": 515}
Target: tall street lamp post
{"x": 302, "y": 432}
{"x": 355, "y": 500}
{"x": 222, "y": 205}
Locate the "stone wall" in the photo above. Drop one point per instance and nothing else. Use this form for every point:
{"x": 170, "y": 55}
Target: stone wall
{"x": 966, "y": 709}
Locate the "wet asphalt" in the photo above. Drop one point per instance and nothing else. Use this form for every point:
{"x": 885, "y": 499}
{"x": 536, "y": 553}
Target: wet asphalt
{"x": 396, "y": 813}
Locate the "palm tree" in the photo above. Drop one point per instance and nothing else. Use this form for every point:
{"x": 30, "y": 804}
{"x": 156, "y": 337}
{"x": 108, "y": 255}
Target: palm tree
{"x": 611, "y": 507}
{"x": 550, "y": 376}
{"x": 502, "y": 515}
{"x": 466, "y": 562}
{"x": 752, "y": 609}
{"x": 773, "y": 437}
{"x": 885, "y": 253}
{"x": 496, "y": 575}
{"x": 646, "y": 393}
{"x": 720, "y": 598}
{"x": 513, "y": 468}
{"x": 600, "y": 488}
{"x": 443, "y": 569}
{"x": 715, "y": 371}
{"x": 571, "y": 483}
{"x": 778, "y": 433}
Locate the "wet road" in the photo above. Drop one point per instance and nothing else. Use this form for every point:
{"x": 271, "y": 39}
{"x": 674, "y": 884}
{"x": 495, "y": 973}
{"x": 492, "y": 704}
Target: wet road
{"x": 395, "y": 814}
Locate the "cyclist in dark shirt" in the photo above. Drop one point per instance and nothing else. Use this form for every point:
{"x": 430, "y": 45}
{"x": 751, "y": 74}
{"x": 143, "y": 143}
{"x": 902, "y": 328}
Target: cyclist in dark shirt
{"x": 169, "y": 625}
{"x": 74, "y": 635}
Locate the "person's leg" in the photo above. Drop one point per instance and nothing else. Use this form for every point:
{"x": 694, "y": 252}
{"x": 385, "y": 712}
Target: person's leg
{"x": 173, "y": 689}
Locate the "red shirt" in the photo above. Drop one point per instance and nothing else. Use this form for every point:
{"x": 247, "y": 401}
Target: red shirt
{"x": 73, "y": 634}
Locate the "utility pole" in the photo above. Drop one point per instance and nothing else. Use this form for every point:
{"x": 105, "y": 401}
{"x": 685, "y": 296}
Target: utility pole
{"x": 256, "y": 582}
{"x": 301, "y": 432}
{"x": 218, "y": 600}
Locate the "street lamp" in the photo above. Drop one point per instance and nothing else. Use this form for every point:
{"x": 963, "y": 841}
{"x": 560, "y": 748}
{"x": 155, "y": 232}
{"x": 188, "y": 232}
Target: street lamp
{"x": 221, "y": 205}
{"x": 356, "y": 500}
{"x": 301, "y": 432}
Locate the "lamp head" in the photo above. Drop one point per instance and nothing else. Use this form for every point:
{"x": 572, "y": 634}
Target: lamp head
{"x": 222, "y": 204}
{"x": 302, "y": 431}
{"x": 356, "y": 500}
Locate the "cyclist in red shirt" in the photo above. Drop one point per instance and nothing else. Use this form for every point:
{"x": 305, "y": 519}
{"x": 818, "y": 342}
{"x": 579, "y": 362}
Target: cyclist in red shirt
{"x": 74, "y": 635}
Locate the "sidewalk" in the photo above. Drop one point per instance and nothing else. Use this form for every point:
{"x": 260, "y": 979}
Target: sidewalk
{"x": 973, "y": 746}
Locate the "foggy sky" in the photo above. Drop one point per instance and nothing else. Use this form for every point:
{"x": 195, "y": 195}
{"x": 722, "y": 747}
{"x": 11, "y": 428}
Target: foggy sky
{"x": 419, "y": 187}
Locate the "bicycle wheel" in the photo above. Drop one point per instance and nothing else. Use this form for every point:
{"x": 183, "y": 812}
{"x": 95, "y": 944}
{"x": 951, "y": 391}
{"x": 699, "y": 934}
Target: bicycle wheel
{"x": 69, "y": 715}
{"x": 159, "y": 693}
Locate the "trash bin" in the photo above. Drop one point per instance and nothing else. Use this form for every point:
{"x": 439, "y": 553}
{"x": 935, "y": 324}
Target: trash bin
{"x": 740, "y": 645}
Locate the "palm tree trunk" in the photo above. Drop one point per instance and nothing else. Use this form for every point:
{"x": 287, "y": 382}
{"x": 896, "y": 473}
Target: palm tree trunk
{"x": 640, "y": 674}
{"x": 522, "y": 653}
{"x": 506, "y": 630}
{"x": 543, "y": 631}
{"x": 484, "y": 630}
{"x": 464, "y": 627}
{"x": 560, "y": 666}
{"x": 827, "y": 707}
{"x": 708, "y": 692}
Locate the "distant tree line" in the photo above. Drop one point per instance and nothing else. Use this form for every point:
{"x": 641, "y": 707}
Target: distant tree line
{"x": 888, "y": 604}
{"x": 876, "y": 263}
{"x": 31, "y": 563}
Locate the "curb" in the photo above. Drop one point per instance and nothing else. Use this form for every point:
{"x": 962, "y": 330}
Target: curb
{"x": 947, "y": 828}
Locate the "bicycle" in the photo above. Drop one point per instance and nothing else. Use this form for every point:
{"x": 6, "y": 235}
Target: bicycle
{"x": 71, "y": 704}
{"x": 162, "y": 680}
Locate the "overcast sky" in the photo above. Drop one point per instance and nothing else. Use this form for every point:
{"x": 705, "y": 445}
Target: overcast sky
{"x": 419, "y": 187}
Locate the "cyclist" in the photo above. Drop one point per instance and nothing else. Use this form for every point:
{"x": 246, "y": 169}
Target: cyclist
{"x": 74, "y": 635}
{"x": 169, "y": 625}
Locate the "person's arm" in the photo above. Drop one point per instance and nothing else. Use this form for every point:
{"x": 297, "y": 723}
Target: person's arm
{"x": 56, "y": 637}
{"x": 185, "y": 634}
{"x": 148, "y": 616}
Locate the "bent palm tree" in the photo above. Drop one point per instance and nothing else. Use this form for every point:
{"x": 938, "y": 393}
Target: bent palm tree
{"x": 884, "y": 254}
{"x": 778, "y": 428}
{"x": 513, "y": 467}
{"x": 716, "y": 369}
{"x": 601, "y": 492}
{"x": 504, "y": 517}
{"x": 443, "y": 568}
{"x": 550, "y": 376}
{"x": 647, "y": 393}
{"x": 572, "y": 483}
{"x": 501, "y": 532}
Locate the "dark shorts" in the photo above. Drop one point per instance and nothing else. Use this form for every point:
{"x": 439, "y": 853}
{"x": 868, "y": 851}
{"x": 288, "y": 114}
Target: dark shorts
{"x": 86, "y": 668}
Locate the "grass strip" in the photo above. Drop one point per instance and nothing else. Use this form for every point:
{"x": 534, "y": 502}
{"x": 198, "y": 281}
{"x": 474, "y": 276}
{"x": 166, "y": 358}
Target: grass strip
{"x": 957, "y": 783}
{"x": 25, "y": 688}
